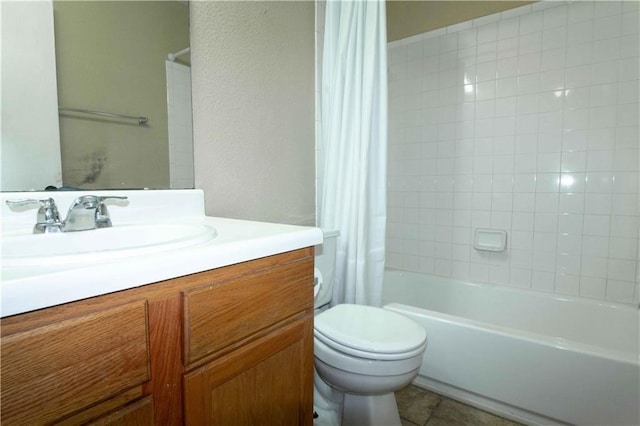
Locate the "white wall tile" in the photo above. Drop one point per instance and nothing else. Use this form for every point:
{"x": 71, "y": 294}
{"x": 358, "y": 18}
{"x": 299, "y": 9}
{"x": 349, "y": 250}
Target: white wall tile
{"x": 625, "y": 159}
{"x": 508, "y": 28}
{"x": 631, "y": 23}
{"x": 606, "y": 72}
{"x": 592, "y": 266}
{"x": 580, "y": 32}
{"x": 599, "y": 182}
{"x": 620, "y": 291}
{"x": 594, "y": 288}
{"x": 608, "y": 27}
{"x": 623, "y": 248}
{"x": 596, "y": 225}
{"x": 580, "y": 11}
{"x": 572, "y": 182}
{"x": 548, "y": 162}
{"x": 583, "y": 54}
{"x": 624, "y": 204}
{"x": 553, "y": 59}
{"x": 555, "y": 17}
{"x": 554, "y": 38}
{"x": 595, "y": 246}
{"x": 531, "y": 22}
{"x": 579, "y": 76}
{"x": 621, "y": 269}
{"x": 527, "y": 121}
{"x": 598, "y": 204}
{"x": 571, "y": 203}
{"x": 606, "y": 50}
{"x": 530, "y": 43}
{"x": 629, "y": 46}
{"x": 487, "y": 33}
{"x": 607, "y": 8}
{"x": 543, "y": 280}
{"x": 567, "y": 284}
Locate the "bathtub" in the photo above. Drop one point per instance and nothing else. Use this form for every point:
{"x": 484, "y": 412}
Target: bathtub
{"x": 534, "y": 357}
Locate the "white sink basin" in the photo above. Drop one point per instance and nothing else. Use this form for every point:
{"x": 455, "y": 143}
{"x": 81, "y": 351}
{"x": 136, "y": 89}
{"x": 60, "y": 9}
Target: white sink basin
{"x": 100, "y": 244}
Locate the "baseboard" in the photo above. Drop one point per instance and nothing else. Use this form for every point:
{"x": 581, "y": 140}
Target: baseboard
{"x": 487, "y": 404}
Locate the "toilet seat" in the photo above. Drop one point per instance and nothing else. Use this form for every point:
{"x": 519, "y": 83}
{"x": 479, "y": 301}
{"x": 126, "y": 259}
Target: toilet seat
{"x": 369, "y": 332}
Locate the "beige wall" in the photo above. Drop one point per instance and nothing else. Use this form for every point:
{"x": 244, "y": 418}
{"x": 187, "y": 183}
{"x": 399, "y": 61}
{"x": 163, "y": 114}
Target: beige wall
{"x": 111, "y": 57}
{"x": 30, "y": 143}
{"x": 407, "y": 18}
{"x": 253, "y": 100}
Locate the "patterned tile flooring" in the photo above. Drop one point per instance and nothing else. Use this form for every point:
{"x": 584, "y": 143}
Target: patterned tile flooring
{"x": 419, "y": 407}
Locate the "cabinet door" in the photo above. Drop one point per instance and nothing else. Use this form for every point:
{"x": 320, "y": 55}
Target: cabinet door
{"x": 266, "y": 382}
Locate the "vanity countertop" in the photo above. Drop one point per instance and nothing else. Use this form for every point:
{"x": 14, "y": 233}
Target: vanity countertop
{"x": 27, "y": 287}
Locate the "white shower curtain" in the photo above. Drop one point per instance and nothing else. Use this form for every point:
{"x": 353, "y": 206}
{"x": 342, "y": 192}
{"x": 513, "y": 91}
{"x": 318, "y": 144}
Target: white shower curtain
{"x": 354, "y": 137}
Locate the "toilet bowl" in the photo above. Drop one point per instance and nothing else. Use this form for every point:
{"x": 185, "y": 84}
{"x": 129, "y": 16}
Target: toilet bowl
{"x": 362, "y": 355}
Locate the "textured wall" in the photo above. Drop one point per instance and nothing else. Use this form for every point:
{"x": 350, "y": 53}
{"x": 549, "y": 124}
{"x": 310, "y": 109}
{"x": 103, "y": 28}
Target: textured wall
{"x": 253, "y": 100}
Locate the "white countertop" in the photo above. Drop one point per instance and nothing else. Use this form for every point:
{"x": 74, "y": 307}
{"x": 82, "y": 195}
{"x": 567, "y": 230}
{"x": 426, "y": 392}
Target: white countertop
{"x": 26, "y": 288}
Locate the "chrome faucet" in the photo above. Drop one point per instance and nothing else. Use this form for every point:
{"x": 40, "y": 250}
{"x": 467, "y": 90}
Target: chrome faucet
{"x": 86, "y": 212}
{"x": 48, "y": 219}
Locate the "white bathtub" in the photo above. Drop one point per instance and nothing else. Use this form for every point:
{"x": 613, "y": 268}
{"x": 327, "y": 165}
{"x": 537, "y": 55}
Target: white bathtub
{"x": 531, "y": 356}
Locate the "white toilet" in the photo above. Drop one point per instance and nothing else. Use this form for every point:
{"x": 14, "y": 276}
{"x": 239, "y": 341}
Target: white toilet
{"x": 362, "y": 354}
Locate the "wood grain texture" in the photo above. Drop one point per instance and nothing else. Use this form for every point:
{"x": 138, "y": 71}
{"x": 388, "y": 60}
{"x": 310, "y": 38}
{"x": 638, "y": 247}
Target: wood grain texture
{"x": 63, "y": 367}
{"x": 138, "y": 413}
{"x": 165, "y": 333}
{"x": 96, "y": 411}
{"x": 262, "y": 383}
{"x": 231, "y": 308}
{"x": 95, "y": 359}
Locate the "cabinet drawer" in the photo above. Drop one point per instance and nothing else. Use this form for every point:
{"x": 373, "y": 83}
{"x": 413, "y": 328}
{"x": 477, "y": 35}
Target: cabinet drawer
{"x": 233, "y": 308}
{"x": 55, "y": 370}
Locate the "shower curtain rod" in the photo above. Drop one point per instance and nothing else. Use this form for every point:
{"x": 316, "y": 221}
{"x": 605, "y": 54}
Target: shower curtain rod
{"x": 141, "y": 120}
{"x": 173, "y": 56}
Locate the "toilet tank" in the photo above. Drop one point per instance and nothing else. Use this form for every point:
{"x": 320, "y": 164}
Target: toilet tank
{"x": 325, "y": 264}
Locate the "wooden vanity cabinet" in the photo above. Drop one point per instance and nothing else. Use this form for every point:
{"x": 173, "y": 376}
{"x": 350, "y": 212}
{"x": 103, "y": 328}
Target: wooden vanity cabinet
{"x": 232, "y": 345}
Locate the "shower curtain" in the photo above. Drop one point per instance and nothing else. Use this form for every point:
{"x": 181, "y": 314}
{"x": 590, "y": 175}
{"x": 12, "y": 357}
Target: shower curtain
{"x": 354, "y": 137}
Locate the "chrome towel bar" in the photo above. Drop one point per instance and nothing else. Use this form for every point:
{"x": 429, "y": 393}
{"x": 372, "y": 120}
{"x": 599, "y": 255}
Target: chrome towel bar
{"x": 141, "y": 120}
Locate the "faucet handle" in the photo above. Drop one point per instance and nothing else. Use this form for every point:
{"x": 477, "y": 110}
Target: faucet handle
{"x": 112, "y": 197}
{"x": 48, "y": 218}
{"x": 92, "y": 201}
{"x": 103, "y": 220}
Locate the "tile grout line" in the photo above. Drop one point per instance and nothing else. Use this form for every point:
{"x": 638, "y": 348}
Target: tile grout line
{"x": 433, "y": 411}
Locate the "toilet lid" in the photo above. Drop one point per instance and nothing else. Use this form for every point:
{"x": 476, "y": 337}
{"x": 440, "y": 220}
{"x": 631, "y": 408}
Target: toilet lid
{"x": 369, "y": 329}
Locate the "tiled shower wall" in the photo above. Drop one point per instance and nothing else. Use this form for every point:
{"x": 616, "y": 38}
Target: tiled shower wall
{"x": 525, "y": 121}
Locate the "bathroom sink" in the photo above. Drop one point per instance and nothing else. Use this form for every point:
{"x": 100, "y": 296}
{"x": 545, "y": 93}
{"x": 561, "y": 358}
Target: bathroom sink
{"x": 100, "y": 244}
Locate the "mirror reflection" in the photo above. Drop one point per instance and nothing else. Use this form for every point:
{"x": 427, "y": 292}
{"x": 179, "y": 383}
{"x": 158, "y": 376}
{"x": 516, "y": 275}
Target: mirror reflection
{"x": 113, "y": 62}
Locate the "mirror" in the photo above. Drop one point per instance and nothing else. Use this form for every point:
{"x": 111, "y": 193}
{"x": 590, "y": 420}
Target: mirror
{"x": 127, "y": 59}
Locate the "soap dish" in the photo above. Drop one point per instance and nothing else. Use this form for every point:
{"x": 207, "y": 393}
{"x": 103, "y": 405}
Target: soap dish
{"x": 490, "y": 240}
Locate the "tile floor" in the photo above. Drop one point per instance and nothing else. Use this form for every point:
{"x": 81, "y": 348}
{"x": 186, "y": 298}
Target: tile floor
{"x": 420, "y": 407}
